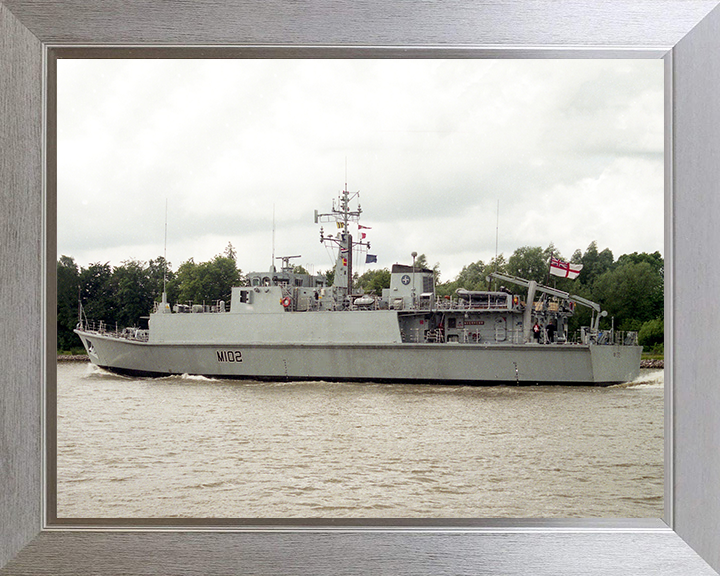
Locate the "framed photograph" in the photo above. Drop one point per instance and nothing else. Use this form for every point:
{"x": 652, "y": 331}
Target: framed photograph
{"x": 684, "y": 541}
{"x": 570, "y": 150}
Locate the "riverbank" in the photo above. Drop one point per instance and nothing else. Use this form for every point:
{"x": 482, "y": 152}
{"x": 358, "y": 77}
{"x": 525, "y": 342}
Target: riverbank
{"x": 72, "y": 358}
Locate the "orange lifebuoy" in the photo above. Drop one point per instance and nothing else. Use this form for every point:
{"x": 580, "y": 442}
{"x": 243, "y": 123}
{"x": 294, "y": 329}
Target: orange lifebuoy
{"x": 286, "y": 302}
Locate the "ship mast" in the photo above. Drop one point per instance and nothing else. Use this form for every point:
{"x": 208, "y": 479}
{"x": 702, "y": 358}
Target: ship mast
{"x": 342, "y": 215}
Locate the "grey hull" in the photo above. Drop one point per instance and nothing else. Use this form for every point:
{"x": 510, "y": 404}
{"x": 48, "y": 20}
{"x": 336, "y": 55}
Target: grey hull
{"x": 402, "y": 362}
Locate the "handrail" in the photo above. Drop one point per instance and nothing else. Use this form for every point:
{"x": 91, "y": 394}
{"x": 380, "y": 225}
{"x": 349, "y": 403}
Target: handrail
{"x": 128, "y": 333}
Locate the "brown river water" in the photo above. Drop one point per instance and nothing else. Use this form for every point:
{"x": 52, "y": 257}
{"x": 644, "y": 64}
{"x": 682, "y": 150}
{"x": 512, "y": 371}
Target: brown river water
{"x": 195, "y": 447}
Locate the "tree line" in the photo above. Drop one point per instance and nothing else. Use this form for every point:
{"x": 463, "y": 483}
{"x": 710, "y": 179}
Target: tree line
{"x": 630, "y": 288}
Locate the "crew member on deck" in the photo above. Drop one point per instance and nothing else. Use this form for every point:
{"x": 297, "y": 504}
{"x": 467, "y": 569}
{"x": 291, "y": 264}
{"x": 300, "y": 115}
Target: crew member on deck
{"x": 536, "y": 332}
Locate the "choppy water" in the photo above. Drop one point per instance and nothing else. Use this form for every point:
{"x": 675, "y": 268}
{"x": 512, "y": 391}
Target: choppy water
{"x": 194, "y": 447}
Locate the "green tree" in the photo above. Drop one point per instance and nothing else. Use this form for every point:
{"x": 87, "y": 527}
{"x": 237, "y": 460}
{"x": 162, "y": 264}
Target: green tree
{"x": 135, "y": 292}
{"x": 606, "y": 261}
{"x": 68, "y": 291}
{"x": 631, "y": 292}
{"x": 594, "y": 263}
{"x": 551, "y": 251}
{"x": 160, "y": 274}
{"x": 230, "y": 252}
{"x": 186, "y": 283}
{"x": 98, "y": 293}
{"x": 529, "y": 262}
{"x": 223, "y": 274}
{"x": 582, "y": 315}
{"x": 652, "y": 333}
{"x": 497, "y": 264}
{"x": 656, "y": 290}
{"x": 655, "y": 260}
{"x": 471, "y": 277}
{"x": 329, "y": 276}
{"x": 422, "y": 262}
{"x": 373, "y": 281}
{"x": 206, "y": 282}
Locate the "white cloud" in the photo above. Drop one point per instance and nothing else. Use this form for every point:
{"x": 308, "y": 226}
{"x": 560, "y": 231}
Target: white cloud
{"x": 571, "y": 148}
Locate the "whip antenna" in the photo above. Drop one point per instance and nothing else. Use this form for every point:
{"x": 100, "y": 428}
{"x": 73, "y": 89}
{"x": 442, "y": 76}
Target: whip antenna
{"x": 272, "y": 261}
{"x": 165, "y": 248}
{"x": 497, "y": 234}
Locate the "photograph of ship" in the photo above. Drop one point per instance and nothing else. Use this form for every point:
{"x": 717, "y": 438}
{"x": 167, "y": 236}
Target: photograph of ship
{"x": 487, "y": 229}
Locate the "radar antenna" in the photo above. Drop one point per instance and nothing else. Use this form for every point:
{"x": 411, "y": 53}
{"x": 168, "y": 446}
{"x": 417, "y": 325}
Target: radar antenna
{"x": 285, "y": 262}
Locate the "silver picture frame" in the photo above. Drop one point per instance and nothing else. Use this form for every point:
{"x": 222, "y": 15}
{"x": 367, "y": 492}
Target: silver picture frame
{"x": 685, "y": 33}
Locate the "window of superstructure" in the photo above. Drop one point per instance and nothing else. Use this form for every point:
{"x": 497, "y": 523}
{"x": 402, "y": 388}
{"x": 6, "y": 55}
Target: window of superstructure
{"x": 427, "y": 284}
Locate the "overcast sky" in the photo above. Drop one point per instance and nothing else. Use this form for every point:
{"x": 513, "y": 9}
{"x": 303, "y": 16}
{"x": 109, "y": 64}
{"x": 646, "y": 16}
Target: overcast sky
{"x": 571, "y": 149}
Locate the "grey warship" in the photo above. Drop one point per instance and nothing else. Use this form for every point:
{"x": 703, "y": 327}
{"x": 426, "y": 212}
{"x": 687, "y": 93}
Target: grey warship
{"x": 288, "y": 326}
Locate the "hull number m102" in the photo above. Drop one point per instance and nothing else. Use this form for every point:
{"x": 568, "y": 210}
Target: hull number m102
{"x": 229, "y": 356}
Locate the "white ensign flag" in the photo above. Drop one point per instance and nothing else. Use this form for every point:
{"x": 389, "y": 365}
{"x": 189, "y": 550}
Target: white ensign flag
{"x": 564, "y": 269}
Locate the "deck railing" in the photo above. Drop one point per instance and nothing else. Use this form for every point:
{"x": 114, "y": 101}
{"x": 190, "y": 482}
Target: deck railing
{"x": 100, "y": 327}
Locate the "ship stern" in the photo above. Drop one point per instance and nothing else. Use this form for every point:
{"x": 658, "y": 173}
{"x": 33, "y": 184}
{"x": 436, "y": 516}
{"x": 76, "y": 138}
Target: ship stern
{"x": 614, "y": 364}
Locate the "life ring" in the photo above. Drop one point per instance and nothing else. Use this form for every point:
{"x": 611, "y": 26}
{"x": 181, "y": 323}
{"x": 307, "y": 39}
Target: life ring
{"x": 286, "y": 302}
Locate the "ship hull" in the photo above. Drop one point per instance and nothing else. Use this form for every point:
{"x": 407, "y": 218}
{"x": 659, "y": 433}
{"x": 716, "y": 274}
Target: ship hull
{"x": 528, "y": 364}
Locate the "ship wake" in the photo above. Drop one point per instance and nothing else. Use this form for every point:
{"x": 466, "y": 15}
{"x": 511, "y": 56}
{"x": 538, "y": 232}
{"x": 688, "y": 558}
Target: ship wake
{"x": 646, "y": 379}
